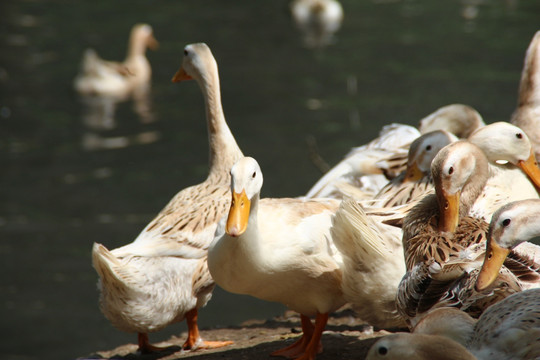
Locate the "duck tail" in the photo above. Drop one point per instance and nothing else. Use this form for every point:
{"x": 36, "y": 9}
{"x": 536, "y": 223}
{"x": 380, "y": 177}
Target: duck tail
{"x": 109, "y": 268}
{"x": 354, "y": 237}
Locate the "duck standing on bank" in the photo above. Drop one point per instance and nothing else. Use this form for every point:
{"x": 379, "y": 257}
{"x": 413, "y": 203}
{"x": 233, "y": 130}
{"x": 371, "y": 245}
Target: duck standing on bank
{"x": 279, "y": 250}
{"x": 162, "y": 277}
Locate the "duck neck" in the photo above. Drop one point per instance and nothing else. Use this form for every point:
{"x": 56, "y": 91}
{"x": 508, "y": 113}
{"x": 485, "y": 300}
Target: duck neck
{"x": 529, "y": 94}
{"x": 136, "y": 49}
{"x": 473, "y": 187}
{"x": 249, "y": 241}
{"x": 224, "y": 151}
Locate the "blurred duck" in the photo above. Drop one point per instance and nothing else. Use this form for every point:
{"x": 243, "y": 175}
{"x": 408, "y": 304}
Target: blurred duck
{"x": 458, "y": 119}
{"x": 368, "y": 168}
{"x": 444, "y": 246}
{"x": 118, "y": 79}
{"x": 415, "y": 182}
{"x": 359, "y": 167}
{"x": 318, "y": 20}
{"x": 162, "y": 277}
{"x": 279, "y": 250}
{"x": 511, "y": 227}
{"x": 507, "y": 330}
{"x": 527, "y": 113}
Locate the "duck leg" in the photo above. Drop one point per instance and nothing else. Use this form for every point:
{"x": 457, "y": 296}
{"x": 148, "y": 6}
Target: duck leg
{"x": 315, "y": 346}
{"x": 144, "y": 345}
{"x": 194, "y": 340}
{"x": 299, "y": 346}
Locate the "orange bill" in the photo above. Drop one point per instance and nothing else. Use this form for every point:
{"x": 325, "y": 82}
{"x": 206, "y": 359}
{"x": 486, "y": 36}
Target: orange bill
{"x": 152, "y": 43}
{"x": 413, "y": 173}
{"x": 495, "y": 256}
{"x": 449, "y": 211}
{"x": 237, "y": 221}
{"x": 530, "y": 167}
{"x": 181, "y": 75}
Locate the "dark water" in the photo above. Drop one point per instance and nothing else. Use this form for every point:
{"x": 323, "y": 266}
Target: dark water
{"x": 68, "y": 180}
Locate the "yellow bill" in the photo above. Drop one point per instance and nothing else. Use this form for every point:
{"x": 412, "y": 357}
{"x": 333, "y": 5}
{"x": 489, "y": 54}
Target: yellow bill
{"x": 530, "y": 167}
{"x": 449, "y": 211}
{"x": 152, "y": 43}
{"x": 237, "y": 221}
{"x": 413, "y": 173}
{"x": 495, "y": 256}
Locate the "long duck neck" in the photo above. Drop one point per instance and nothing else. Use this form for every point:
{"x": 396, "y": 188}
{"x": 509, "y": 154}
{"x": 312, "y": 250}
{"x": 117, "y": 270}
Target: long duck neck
{"x": 136, "y": 48}
{"x": 530, "y": 77}
{"x": 224, "y": 151}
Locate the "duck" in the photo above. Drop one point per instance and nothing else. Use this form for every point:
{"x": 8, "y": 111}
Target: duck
{"x": 510, "y": 228}
{"x": 527, "y": 112}
{"x": 513, "y": 168}
{"x": 415, "y": 181}
{"x": 406, "y": 346}
{"x": 459, "y": 119}
{"x": 360, "y": 166}
{"x": 99, "y": 77}
{"x": 373, "y": 263}
{"x": 162, "y": 277}
{"x": 280, "y": 250}
{"x": 369, "y": 167}
{"x": 443, "y": 246}
{"x": 507, "y": 330}
{"x": 318, "y": 20}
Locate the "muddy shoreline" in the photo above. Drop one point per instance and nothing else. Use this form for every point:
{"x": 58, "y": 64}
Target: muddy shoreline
{"x": 345, "y": 337}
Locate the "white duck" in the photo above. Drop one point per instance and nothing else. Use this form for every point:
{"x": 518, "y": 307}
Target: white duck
{"x": 360, "y": 168}
{"x": 279, "y": 250}
{"x": 517, "y": 179}
{"x": 318, "y": 20}
{"x": 162, "y": 276}
{"x": 118, "y": 79}
{"x": 508, "y": 330}
{"x": 415, "y": 182}
{"x": 527, "y": 113}
{"x": 367, "y": 167}
{"x": 373, "y": 262}
{"x": 510, "y": 229}
{"x": 458, "y": 119}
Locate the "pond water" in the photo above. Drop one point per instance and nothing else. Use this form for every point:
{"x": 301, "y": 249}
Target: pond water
{"x": 70, "y": 179}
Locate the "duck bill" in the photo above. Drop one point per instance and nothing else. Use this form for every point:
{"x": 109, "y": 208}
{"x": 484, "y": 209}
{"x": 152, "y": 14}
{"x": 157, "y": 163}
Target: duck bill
{"x": 530, "y": 167}
{"x": 237, "y": 221}
{"x": 495, "y": 256}
{"x": 181, "y": 75}
{"x": 413, "y": 173}
{"x": 449, "y": 211}
{"x": 152, "y": 43}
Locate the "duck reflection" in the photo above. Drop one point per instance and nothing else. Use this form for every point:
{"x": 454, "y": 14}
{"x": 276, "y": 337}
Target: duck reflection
{"x": 103, "y": 84}
{"x": 318, "y": 20}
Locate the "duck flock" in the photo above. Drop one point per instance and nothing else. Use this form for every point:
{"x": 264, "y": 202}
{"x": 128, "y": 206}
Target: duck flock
{"x": 425, "y": 230}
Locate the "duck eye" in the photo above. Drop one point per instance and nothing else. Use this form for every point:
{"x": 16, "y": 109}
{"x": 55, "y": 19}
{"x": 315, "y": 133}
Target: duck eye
{"x": 451, "y": 170}
{"x": 254, "y": 174}
{"x": 428, "y": 148}
{"x": 506, "y": 222}
{"x": 383, "y": 350}
{"x": 519, "y": 135}
{"x": 186, "y": 52}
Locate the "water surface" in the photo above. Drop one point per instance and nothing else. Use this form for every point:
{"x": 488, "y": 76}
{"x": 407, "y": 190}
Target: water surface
{"x": 69, "y": 180}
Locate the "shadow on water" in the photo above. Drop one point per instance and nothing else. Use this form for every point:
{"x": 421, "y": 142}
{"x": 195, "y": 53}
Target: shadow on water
{"x": 71, "y": 177}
